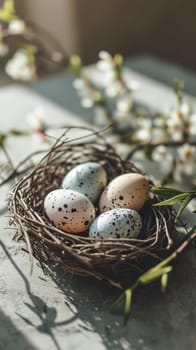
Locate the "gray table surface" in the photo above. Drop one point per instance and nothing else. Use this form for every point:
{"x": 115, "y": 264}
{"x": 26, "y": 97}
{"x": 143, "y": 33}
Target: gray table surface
{"x": 67, "y": 312}
{"x": 57, "y": 88}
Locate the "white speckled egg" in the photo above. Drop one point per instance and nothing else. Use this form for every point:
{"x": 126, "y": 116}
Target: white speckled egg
{"x": 125, "y": 191}
{"x": 69, "y": 210}
{"x": 116, "y": 223}
{"x": 87, "y": 178}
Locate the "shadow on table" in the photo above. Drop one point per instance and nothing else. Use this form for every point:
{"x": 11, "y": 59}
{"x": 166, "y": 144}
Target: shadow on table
{"x": 47, "y": 315}
{"x": 158, "y": 321}
{"x": 7, "y": 331}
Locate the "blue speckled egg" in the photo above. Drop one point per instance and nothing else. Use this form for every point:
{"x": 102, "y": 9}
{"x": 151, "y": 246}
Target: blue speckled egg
{"x": 69, "y": 210}
{"x": 87, "y": 178}
{"x": 116, "y": 223}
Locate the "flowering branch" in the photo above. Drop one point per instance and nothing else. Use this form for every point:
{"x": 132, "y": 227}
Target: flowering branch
{"x": 111, "y": 96}
{"x": 27, "y": 61}
{"x": 164, "y": 138}
{"x": 152, "y": 145}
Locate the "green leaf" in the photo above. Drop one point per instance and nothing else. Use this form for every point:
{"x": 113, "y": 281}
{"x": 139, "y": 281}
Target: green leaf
{"x": 173, "y": 200}
{"x": 174, "y": 196}
{"x": 128, "y": 299}
{"x": 30, "y": 51}
{"x": 166, "y": 192}
{"x": 118, "y": 60}
{"x": 153, "y": 274}
{"x": 164, "y": 282}
{"x": 75, "y": 64}
{"x": 9, "y": 6}
{"x": 163, "y": 263}
{"x": 7, "y": 13}
{"x": 183, "y": 205}
{"x": 117, "y": 302}
{"x": 179, "y": 89}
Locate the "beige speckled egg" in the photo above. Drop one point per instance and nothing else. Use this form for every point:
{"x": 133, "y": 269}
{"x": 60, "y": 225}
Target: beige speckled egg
{"x": 69, "y": 210}
{"x": 125, "y": 191}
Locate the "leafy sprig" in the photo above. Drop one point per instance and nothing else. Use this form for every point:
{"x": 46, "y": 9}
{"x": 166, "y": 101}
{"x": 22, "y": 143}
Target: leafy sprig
{"x": 158, "y": 272}
{"x": 174, "y": 196}
{"x": 161, "y": 270}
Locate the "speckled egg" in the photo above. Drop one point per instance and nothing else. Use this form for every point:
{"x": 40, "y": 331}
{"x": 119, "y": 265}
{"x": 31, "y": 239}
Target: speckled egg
{"x": 125, "y": 191}
{"x": 116, "y": 223}
{"x": 69, "y": 210}
{"x": 87, "y": 178}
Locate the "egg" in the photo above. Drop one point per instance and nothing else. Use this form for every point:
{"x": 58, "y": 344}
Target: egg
{"x": 69, "y": 210}
{"x": 125, "y": 191}
{"x": 116, "y": 223}
{"x": 87, "y": 178}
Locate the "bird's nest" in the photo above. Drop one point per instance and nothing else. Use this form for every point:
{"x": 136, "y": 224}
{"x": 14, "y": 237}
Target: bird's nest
{"x": 115, "y": 260}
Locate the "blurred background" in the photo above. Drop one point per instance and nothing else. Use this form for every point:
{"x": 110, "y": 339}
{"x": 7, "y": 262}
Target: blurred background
{"x": 163, "y": 28}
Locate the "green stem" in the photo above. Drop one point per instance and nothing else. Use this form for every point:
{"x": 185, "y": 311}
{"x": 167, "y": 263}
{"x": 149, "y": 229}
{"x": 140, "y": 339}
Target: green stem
{"x": 158, "y": 271}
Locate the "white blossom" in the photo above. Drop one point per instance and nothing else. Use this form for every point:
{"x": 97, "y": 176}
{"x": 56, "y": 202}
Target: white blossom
{"x": 186, "y": 163}
{"x": 162, "y": 155}
{"x": 104, "y": 55}
{"x": 185, "y": 109}
{"x": 18, "y": 67}
{"x": 37, "y": 119}
{"x": 182, "y": 122}
{"x": 124, "y": 103}
{"x": 106, "y": 67}
{"x": 187, "y": 153}
{"x": 87, "y": 102}
{"x": 16, "y": 26}
{"x": 79, "y": 84}
{"x": 84, "y": 91}
{"x": 108, "y": 79}
{"x": 175, "y": 126}
{"x": 144, "y": 130}
{"x": 182, "y": 172}
{"x": 113, "y": 89}
{"x": 88, "y": 94}
{"x": 132, "y": 85}
{"x": 192, "y": 127}
{"x": 105, "y": 62}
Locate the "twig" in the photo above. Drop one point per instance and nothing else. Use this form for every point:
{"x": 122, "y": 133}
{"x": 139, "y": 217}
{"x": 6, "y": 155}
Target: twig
{"x": 7, "y": 157}
{"x": 140, "y": 146}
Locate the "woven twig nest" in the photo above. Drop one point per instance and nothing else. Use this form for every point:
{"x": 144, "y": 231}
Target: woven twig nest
{"x": 114, "y": 260}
